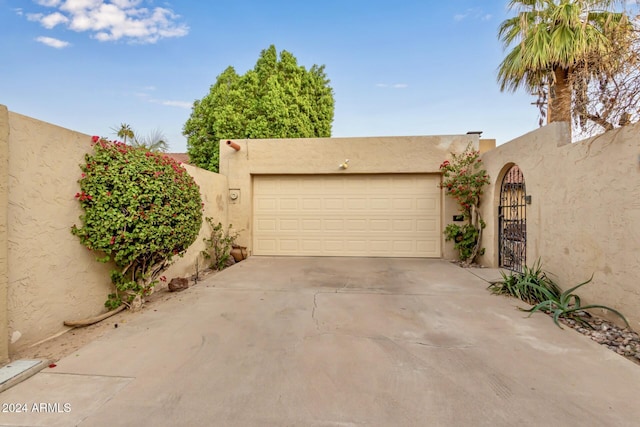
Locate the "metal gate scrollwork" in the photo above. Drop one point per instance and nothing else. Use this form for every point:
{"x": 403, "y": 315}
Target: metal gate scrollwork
{"x": 512, "y": 221}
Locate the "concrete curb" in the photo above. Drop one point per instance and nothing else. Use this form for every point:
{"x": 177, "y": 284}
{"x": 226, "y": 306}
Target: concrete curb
{"x": 21, "y": 373}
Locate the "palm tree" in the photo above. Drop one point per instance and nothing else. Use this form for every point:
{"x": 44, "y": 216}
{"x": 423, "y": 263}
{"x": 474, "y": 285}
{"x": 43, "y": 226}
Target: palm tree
{"x": 551, "y": 40}
{"x": 154, "y": 141}
{"x": 124, "y": 132}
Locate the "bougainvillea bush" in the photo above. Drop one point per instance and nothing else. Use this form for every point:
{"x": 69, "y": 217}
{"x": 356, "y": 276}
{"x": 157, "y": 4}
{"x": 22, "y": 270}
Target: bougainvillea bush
{"x": 140, "y": 210}
{"x": 463, "y": 179}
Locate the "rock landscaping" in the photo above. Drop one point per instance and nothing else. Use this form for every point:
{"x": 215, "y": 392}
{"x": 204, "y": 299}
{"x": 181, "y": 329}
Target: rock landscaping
{"x": 623, "y": 341}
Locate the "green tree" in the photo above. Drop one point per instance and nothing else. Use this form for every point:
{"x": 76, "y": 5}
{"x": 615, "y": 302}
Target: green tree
{"x": 553, "y": 41}
{"x": 276, "y": 99}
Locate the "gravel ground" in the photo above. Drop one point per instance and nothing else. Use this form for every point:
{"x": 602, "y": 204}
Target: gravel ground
{"x": 625, "y": 342}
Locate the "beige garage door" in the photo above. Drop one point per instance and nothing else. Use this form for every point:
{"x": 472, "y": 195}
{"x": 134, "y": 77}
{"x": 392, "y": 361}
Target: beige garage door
{"x": 347, "y": 215}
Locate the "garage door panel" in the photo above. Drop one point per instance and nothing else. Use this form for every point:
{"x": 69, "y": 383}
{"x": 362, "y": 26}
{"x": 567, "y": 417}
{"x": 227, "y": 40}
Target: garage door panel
{"x": 288, "y": 204}
{"x": 363, "y": 215}
{"x": 353, "y": 245}
{"x": 333, "y": 225}
{"x": 288, "y": 225}
{"x": 427, "y": 245}
{"x": 406, "y": 204}
{"x": 428, "y": 225}
{"x": 404, "y": 225}
{"x": 266, "y": 204}
{"x": 357, "y": 224}
{"x": 314, "y": 204}
{"x": 380, "y": 225}
{"x": 427, "y": 204}
{"x": 312, "y": 225}
{"x": 403, "y": 246}
{"x": 266, "y": 225}
{"x": 356, "y": 204}
{"x": 379, "y": 204}
{"x": 265, "y": 245}
{"x": 334, "y": 204}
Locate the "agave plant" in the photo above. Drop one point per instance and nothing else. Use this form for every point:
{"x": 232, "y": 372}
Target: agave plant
{"x": 568, "y": 305}
{"x": 531, "y": 286}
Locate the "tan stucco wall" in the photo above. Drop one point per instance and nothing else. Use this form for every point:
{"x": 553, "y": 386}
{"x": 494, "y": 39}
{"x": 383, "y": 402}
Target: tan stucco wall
{"x": 486, "y": 145}
{"x": 4, "y": 210}
{"x": 51, "y": 276}
{"x": 584, "y": 217}
{"x": 380, "y": 155}
{"x": 213, "y": 190}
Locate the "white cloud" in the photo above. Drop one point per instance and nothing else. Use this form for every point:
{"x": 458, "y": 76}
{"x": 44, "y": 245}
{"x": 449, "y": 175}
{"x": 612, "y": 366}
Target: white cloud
{"x": 48, "y": 3}
{"x": 50, "y": 41}
{"x": 393, "y": 86}
{"x": 18, "y": 11}
{"x": 53, "y": 19}
{"x": 113, "y": 20}
{"x": 76, "y": 6}
{"x": 179, "y": 104}
{"x": 125, "y": 4}
{"x": 474, "y": 14}
{"x": 34, "y": 16}
{"x": 143, "y": 94}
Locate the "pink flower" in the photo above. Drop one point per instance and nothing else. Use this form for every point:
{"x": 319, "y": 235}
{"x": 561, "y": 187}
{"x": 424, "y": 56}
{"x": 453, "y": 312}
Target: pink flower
{"x": 113, "y": 240}
{"x": 95, "y": 138}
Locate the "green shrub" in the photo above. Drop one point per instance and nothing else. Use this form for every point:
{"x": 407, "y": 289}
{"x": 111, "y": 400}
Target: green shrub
{"x": 465, "y": 239}
{"x": 218, "y": 245}
{"x": 140, "y": 210}
{"x": 463, "y": 179}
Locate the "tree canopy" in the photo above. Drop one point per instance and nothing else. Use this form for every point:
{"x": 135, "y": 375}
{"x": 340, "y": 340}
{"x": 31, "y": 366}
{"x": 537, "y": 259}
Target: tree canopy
{"x": 276, "y": 99}
{"x": 572, "y": 54}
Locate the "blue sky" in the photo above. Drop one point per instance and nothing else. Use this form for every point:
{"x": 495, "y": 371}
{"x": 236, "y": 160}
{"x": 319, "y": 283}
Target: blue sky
{"x": 396, "y": 67}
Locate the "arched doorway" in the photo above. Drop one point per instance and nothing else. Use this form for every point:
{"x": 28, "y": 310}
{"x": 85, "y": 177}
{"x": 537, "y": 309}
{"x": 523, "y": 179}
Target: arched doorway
{"x": 512, "y": 221}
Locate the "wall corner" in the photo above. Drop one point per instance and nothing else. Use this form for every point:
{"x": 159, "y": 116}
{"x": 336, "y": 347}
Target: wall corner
{"x": 486, "y": 145}
{"x": 4, "y": 229}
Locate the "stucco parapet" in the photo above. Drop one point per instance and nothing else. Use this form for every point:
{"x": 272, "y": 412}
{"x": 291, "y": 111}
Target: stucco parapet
{"x": 411, "y": 154}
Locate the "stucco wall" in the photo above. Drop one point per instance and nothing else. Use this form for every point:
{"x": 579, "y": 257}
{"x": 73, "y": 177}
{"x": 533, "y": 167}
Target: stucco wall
{"x": 418, "y": 154}
{"x": 585, "y": 212}
{"x": 51, "y": 276}
{"x": 213, "y": 190}
{"x": 4, "y": 210}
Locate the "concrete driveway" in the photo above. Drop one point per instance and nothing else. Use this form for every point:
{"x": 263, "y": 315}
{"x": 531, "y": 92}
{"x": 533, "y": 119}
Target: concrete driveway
{"x": 336, "y": 342}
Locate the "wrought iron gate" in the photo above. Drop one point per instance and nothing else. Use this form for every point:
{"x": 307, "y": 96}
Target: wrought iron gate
{"x": 512, "y": 221}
